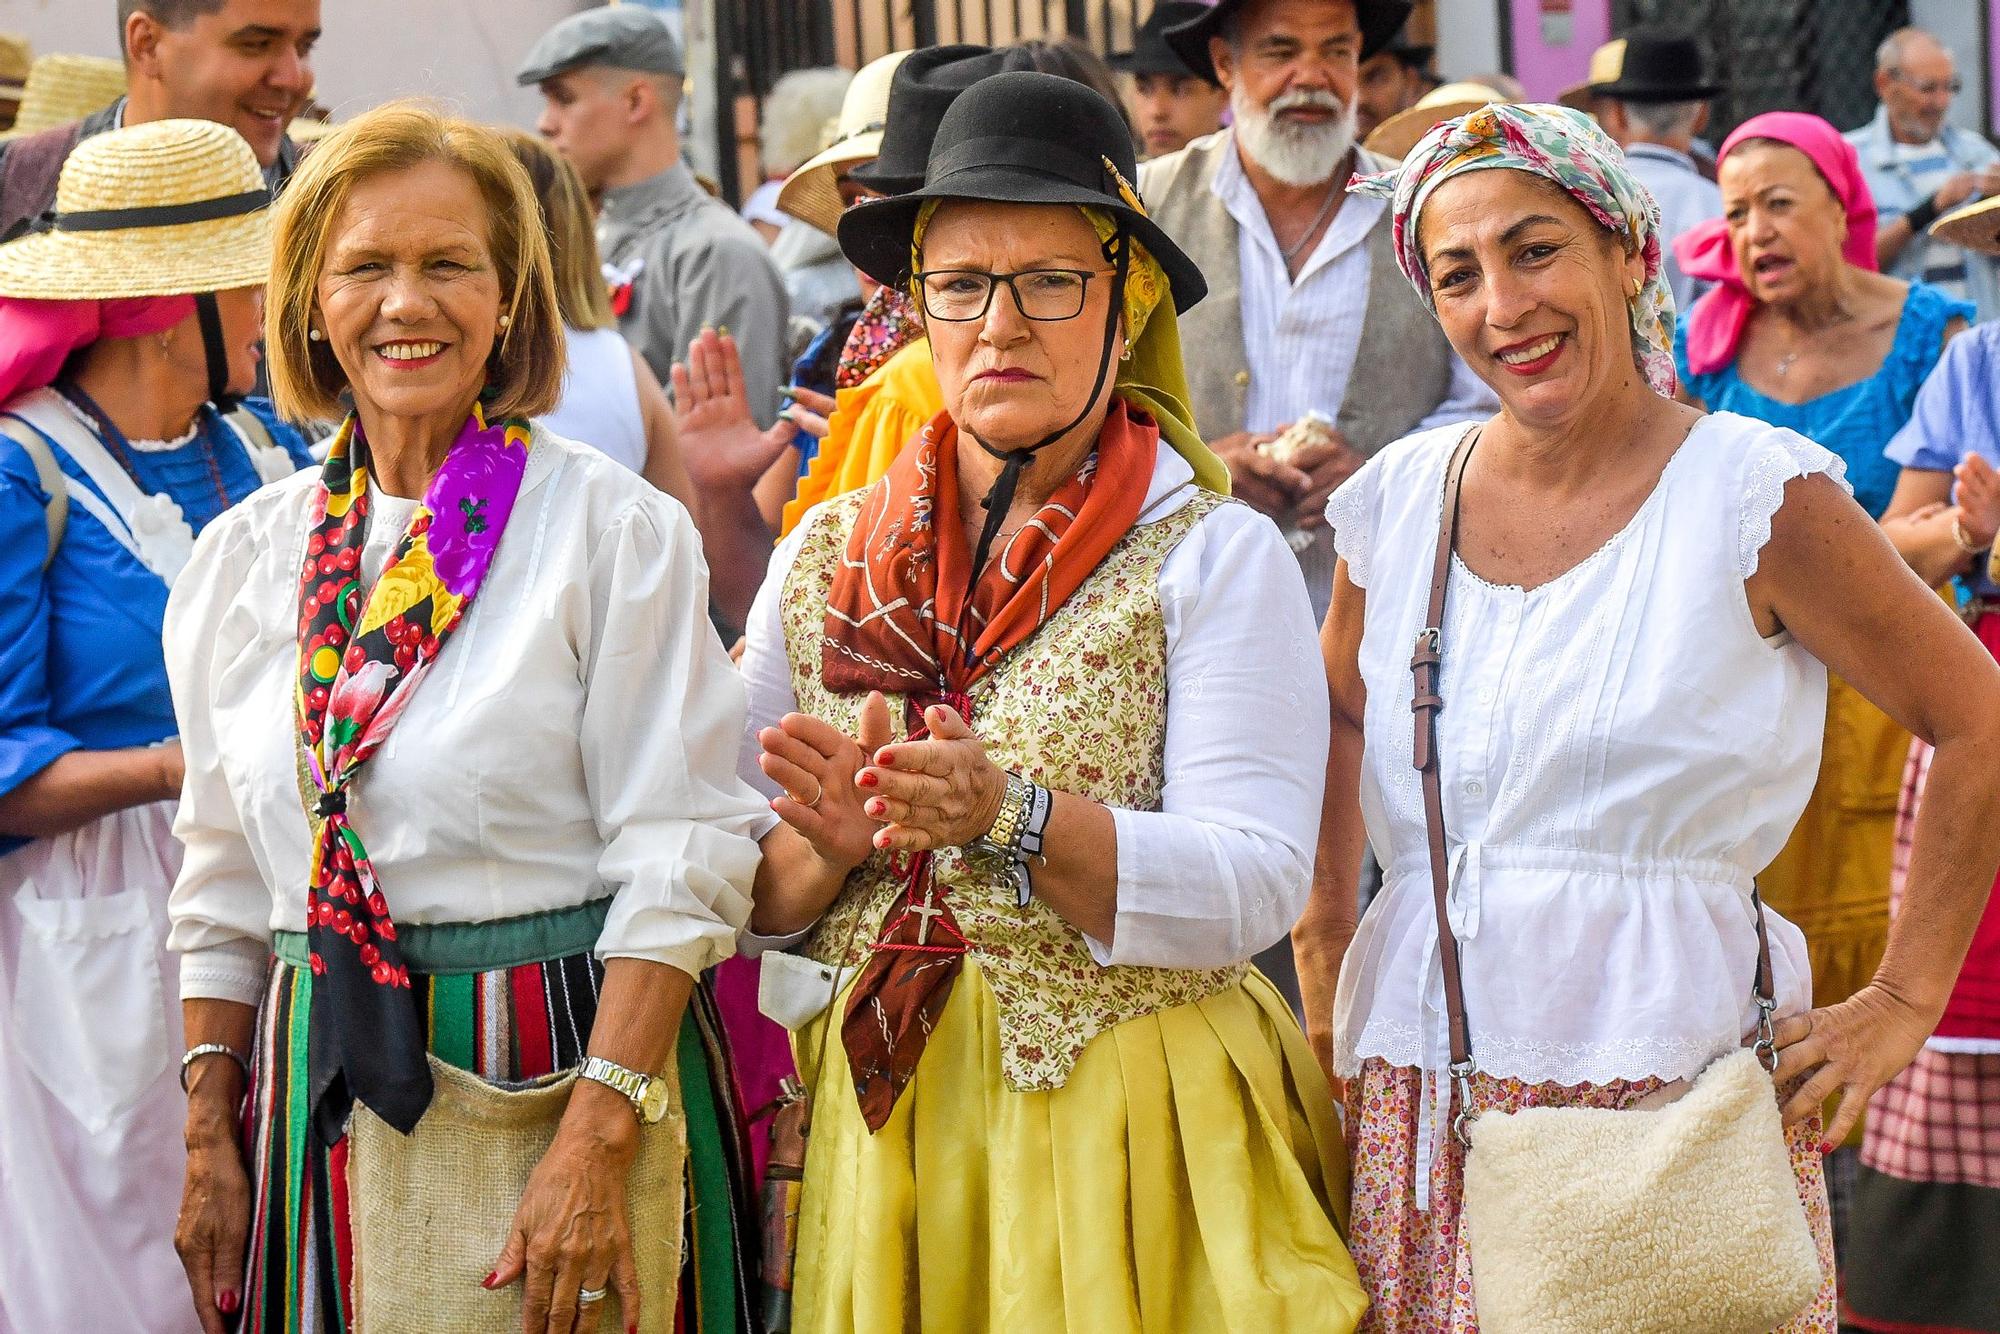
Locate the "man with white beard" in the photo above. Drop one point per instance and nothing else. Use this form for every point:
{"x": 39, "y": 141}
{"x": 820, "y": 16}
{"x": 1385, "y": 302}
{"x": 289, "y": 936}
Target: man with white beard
{"x": 1306, "y": 309}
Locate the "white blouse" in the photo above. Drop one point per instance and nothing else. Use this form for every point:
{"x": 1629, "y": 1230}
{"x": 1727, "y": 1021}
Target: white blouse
{"x": 1223, "y": 868}
{"x": 576, "y": 737}
{"x": 1621, "y": 753}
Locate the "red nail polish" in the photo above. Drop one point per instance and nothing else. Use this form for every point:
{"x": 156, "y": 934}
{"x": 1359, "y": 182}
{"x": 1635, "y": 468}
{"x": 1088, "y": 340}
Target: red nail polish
{"x": 876, "y": 808}
{"x": 867, "y": 779}
{"x": 491, "y": 1281}
{"x": 885, "y": 760}
{"x": 1826, "y": 1146}
{"x": 226, "y": 1303}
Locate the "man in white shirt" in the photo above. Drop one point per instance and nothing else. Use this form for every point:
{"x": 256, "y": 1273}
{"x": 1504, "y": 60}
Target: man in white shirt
{"x": 1648, "y": 93}
{"x": 1918, "y": 167}
{"x": 1307, "y": 310}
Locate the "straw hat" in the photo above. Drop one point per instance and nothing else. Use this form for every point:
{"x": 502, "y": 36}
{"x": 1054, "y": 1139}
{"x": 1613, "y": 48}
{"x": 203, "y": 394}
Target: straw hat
{"x": 62, "y": 88}
{"x": 1975, "y": 226}
{"x": 15, "y": 57}
{"x": 812, "y": 193}
{"x": 168, "y": 208}
{"x": 1396, "y": 136}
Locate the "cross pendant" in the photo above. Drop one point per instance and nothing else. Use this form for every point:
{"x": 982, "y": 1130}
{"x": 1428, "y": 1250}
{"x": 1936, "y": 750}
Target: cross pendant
{"x": 930, "y": 912}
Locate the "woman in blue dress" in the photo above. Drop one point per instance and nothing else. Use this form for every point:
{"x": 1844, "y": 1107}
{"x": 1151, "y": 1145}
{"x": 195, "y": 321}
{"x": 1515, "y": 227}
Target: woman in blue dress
{"x": 125, "y": 329}
{"x": 1801, "y": 331}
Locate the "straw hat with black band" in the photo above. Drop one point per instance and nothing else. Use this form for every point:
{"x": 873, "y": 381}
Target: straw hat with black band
{"x": 168, "y": 208}
{"x": 16, "y": 56}
{"x": 1025, "y": 137}
{"x": 1380, "y": 21}
{"x": 812, "y": 192}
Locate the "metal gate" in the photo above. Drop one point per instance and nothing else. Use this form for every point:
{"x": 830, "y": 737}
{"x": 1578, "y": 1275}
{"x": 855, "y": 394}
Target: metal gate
{"x": 1780, "y": 55}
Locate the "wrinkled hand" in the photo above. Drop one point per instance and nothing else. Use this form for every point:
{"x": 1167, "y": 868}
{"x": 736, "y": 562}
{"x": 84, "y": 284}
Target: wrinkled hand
{"x": 940, "y": 793}
{"x": 1328, "y": 465}
{"x": 571, "y": 1233}
{"x": 1259, "y": 480}
{"x": 213, "y": 1230}
{"x": 719, "y": 438}
{"x": 816, "y": 763}
{"x": 1852, "y": 1049}
{"x": 1978, "y": 495}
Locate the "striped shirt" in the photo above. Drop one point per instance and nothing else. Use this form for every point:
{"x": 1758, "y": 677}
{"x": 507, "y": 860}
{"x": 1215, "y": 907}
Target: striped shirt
{"x": 1927, "y": 167}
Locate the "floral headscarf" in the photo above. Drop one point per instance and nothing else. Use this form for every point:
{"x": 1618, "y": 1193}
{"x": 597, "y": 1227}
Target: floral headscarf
{"x": 1560, "y": 145}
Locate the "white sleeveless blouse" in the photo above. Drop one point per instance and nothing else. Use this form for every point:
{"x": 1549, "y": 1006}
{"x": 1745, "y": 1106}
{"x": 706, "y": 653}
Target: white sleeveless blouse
{"x": 1621, "y": 753}
{"x": 600, "y": 397}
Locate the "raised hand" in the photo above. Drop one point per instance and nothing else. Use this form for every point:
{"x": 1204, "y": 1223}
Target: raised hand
{"x": 1978, "y": 495}
{"x": 943, "y": 792}
{"x": 816, "y": 764}
{"x": 719, "y": 438}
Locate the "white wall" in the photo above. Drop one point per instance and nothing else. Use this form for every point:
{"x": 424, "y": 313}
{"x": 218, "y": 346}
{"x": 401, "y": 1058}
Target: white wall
{"x": 1468, "y": 37}
{"x": 463, "y": 51}
{"x": 1956, "y": 23}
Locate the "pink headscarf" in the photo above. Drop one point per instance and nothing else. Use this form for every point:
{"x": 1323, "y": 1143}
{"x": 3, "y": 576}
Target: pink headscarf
{"x": 1715, "y": 324}
{"x": 37, "y": 337}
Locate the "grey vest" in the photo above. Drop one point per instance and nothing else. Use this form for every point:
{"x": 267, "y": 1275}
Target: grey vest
{"x": 1402, "y": 369}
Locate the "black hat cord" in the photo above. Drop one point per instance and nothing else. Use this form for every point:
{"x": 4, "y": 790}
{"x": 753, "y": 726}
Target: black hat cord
{"x": 999, "y": 497}
{"x": 210, "y": 318}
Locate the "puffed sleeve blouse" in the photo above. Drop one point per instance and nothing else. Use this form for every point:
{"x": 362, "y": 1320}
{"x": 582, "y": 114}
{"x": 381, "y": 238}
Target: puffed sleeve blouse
{"x": 575, "y": 740}
{"x": 1621, "y": 753}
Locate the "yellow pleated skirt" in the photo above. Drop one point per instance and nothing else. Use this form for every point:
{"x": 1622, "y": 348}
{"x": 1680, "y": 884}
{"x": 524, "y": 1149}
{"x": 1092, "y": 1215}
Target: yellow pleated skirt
{"x": 1189, "y": 1176}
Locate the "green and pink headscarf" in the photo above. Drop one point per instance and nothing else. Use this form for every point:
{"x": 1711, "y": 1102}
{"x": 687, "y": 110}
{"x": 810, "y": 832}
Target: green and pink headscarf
{"x": 1559, "y": 145}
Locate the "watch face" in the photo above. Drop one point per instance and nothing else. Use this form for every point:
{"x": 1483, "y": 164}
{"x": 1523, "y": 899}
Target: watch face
{"x": 653, "y": 1102}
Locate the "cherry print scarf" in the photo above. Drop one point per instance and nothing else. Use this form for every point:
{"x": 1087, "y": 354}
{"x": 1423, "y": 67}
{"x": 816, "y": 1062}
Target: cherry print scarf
{"x": 360, "y": 657}
{"x": 906, "y": 616}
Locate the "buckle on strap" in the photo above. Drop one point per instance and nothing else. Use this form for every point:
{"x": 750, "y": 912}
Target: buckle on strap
{"x": 1766, "y": 1045}
{"x": 1461, "y": 1087}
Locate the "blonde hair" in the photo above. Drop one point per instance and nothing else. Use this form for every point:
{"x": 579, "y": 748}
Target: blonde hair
{"x": 526, "y": 367}
{"x": 581, "y": 295}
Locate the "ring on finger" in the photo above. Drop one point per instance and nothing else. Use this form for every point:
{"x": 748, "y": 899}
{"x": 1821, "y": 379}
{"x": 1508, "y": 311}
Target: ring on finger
{"x": 590, "y": 1296}
{"x": 814, "y": 803}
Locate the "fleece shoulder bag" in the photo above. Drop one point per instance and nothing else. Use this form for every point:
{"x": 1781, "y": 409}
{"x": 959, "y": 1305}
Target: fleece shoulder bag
{"x": 1680, "y": 1217}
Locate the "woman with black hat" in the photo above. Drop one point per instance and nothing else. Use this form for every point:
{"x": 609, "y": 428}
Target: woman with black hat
{"x": 1040, "y": 809}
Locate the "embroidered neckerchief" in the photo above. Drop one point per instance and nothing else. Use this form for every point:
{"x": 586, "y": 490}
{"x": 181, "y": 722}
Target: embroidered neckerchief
{"x": 908, "y": 615}
{"x": 360, "y": 657}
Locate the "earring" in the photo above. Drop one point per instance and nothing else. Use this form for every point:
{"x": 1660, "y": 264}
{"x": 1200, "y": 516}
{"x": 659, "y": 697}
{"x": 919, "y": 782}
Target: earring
{"x": 506, "y": 320}
{"x": 315, "y": 335}
{"x": 1638, "y": 286}
{"x": 1126, "y": 355}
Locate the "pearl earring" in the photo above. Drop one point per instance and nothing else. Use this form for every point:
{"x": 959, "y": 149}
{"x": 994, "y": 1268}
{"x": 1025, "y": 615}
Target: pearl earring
{"x": 506, "y": 320}
{"x": 315, "y": 335}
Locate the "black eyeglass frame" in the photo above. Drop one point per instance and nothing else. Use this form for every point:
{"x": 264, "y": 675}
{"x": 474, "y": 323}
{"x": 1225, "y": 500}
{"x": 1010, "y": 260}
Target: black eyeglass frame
{"x": 994, "y": 282}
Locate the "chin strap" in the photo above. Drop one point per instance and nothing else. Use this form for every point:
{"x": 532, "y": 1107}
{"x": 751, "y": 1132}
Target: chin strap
{"x": 999, "y": 497}
{"x": 215, "y": 352}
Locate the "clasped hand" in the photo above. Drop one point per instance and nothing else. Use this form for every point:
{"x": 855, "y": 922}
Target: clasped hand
{"x": 851, "y": 796}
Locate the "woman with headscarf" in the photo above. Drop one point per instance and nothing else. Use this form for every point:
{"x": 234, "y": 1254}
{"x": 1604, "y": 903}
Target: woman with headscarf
{"x": 113, "y": 455}
{"x": 1800, "y": 331}
{"x": 1634, "y": 646}
{"x": 1037, "y": 712}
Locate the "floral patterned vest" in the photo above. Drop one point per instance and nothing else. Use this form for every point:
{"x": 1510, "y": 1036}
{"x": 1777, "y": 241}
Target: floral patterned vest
{"x": 1081, "y": 707}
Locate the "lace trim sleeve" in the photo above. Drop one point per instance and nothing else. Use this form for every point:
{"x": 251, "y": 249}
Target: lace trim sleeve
{"x": 1350, "y": 513}
{"x": 1777, "y": 457}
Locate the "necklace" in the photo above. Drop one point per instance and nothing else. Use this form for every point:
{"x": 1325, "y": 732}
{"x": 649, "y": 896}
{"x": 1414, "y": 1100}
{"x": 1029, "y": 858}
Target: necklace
{"x": 1325, "y": 210}
{"x": 108, "y": 431}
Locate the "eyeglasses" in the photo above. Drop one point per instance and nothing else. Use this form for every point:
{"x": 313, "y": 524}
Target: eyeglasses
{"x": 1039, "y": 294}
{"x": 1928, "y": 87}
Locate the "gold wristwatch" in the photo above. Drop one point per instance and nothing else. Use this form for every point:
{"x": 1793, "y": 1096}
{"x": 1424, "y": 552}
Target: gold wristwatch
{"x": 648, "y": 1093}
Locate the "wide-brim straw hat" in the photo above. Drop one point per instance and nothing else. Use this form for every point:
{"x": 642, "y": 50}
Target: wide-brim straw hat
{"x": 812, "y": 192}
{"x": 61, "y": 88}
{"x": 1975, "y": 226}
{"x": 168, "y": 208}
{"x": 15, "y": 58}
{"x": 1396, "y": 136}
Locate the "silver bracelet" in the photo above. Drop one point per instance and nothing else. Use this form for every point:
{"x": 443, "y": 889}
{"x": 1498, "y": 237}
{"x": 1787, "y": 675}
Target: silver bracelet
{"x": 195, "y": 1053}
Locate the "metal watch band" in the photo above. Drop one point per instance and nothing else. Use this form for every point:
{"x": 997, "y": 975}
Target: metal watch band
{"x": 633, "y": 1085}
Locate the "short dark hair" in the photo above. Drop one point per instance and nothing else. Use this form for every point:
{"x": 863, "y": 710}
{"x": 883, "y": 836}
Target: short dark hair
{"x": 174, "y": 14}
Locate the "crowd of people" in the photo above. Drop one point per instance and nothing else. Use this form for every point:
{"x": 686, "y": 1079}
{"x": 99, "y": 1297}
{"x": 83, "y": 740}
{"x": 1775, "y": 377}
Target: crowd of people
{"x": 1061, "y": 724}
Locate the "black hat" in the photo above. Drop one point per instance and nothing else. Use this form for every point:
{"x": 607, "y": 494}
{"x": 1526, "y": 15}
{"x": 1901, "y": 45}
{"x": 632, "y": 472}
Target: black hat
{"x": 1415, "y": 55}
{"x": 1022, "y": 138}
{"x": 1650, "y": 67}
{"x": 1150, "y": 53}
{"x": 1380, "y": 21}
{"x": 924, "y": 87}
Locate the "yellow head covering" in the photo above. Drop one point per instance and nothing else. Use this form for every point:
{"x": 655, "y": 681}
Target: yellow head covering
{"x": 1151, "y": 376}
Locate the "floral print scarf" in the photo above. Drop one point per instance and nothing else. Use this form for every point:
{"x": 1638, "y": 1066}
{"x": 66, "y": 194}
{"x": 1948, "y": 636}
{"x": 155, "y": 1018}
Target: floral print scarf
{"x": 361, "y": 654}
{"x": 888, "y": 324}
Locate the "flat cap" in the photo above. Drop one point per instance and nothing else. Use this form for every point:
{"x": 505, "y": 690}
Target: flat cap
{"x": 619, "y": 36}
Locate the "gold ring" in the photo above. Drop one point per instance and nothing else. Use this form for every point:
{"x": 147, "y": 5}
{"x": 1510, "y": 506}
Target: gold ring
{"x": 812, "y": 805}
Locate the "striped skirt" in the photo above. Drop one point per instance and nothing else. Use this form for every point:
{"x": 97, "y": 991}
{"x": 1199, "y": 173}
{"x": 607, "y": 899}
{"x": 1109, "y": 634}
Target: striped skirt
{"x": 507, "y": 1024}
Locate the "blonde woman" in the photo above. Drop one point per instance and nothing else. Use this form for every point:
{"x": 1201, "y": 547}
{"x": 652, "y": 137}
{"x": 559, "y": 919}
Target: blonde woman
{"x": 552, "y": 844}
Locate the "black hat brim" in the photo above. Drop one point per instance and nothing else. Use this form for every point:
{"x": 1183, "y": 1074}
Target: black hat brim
{"x": 875, "y": 235}
{"x": 1380, "y": 21}
{"x": 1656, "y": 92}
